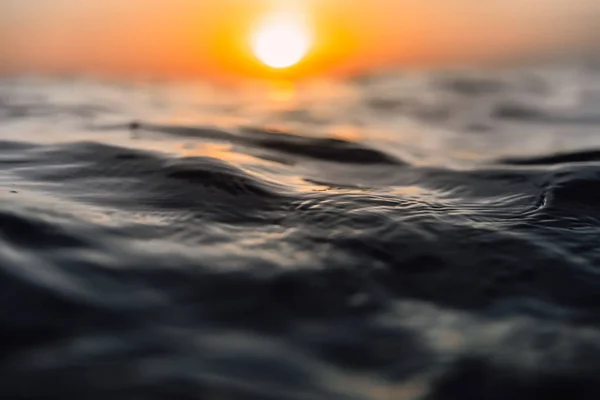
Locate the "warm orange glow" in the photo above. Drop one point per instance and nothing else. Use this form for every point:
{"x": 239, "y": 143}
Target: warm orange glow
{"x": 281, "y": 40}
{"x": 237, "y": 40}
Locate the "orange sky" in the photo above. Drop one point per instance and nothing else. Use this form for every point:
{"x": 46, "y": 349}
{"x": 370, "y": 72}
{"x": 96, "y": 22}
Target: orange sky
{"x": 210, "y": 38}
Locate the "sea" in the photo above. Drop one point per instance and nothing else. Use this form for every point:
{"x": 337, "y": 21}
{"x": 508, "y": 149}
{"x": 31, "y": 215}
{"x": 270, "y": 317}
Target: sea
{"x": 403, "y": 234}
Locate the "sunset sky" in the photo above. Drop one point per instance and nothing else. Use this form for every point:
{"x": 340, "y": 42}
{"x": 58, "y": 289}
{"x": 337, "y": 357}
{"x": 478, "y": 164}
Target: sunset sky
{"x": 212, "y": 38}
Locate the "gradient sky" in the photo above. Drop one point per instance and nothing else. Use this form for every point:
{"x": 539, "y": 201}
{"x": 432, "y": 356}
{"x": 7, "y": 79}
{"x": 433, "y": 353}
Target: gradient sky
{"x": 210, "y": 38}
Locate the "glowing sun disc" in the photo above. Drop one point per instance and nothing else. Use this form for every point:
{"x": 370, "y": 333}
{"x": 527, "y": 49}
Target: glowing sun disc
{"x": 280, "y": 41}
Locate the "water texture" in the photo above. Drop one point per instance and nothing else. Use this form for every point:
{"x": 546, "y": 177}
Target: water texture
{"x": 400, "y": 235}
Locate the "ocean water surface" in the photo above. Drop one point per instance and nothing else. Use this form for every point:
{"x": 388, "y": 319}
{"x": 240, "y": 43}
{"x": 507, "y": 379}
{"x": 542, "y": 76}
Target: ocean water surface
{"x": 399, "y": 235}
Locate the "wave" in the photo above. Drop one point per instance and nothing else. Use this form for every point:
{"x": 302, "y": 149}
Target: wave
{"x": 162, "y": 260}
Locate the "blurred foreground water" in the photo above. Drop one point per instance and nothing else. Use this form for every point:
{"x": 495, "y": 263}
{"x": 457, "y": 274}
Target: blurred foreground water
{"x": 396, "y": 236}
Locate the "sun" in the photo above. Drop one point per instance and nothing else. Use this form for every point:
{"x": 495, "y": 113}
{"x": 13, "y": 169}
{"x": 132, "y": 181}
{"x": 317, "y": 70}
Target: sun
{"x": 281, "y": 40}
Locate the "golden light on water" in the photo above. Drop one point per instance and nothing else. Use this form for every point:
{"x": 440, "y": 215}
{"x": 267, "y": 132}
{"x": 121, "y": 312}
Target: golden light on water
{"x": 281, "y": 40}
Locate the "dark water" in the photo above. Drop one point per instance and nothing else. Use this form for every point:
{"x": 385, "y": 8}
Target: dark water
{"x": 397, "y": 236}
